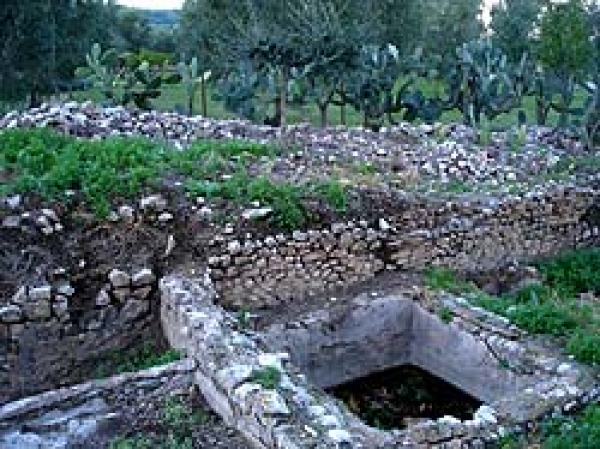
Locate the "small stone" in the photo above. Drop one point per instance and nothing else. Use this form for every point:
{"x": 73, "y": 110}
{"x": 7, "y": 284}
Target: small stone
{"x": 165, "y": 217}
{"x": 127, "y": 213}
{"x": 119, "y": 278}
{"x": 272, "y": 403}
{"x": 384, "y": 225}
{"x": 20, "y": 297}
{"x": 142, "y": 293}
{"x": 143, "y": 277}
{"x": 50, "y": 214}
{"x": 43, "y": 293}
{"x": 256, "y": 214}
{"x": 10, "y": 314}
{"x": 11, "y": 221}
{"x": 65, "y": 290}
{"x": 155, "y": 202}
{"x": 234, "y": 247}
{"x": 103, "y": 298}
{"x": 37, "y": 310}
{"x": 61, "y": 306}
{"x": 13, "y": 202}
{"x": 339, "y": 436}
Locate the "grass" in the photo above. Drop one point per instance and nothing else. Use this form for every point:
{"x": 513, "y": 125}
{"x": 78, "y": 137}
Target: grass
{"x": 132, "y": 360}
{"x": 179, "y": 420}
{"x": 104, "y": 172}
{"x": 552, "y": 308}
{"x": 173, "y": 98}
{"x": 268, "y": 377}
{"x": 573, "y": 432}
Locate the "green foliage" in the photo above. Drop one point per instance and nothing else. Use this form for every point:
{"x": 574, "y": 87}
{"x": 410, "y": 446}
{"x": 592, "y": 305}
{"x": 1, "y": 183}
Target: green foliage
{"x": 192, "y": 80}
{"x": 42, "y": 162}
{"x": 138, "y": 442}
{"x": 445, "y": 279}
{"x": 268, "y": 377}
{"x": 482, "y": 82}
{"x": 581, "y": 432}
{"x": 573, "y": 272}
{"x": 513, "y": 24}
{"x": 125, "y": 79}
{"x": 585, "y": 347}
{"x": 551, "y": 308}
{"x": 137, "y": 359}
{"x": 564, "y": 45}
{"x": 180, "y": 417}
{"x": 48, "y": 164}
{"x": 445, "y": 314}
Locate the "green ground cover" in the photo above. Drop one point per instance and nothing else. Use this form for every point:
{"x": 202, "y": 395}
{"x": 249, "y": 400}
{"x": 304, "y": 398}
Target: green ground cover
{"x": 102, "y": 173}
{"x": 555, "y": 308}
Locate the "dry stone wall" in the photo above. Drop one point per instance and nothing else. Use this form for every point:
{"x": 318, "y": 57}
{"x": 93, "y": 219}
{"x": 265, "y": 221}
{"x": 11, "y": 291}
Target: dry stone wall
{"x": 47, "y": 337}
{"x": 469, "y": 234}
{"x": 520, "y": 380}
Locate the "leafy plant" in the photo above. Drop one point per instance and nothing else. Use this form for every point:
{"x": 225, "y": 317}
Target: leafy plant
{"x": 132, "y": 360}
{"x": 192, "y": 80}
{"x": 138, "y": 442}
{"x": 445, "y": 314}
{"x": 123, "y": 79}
{"x": 268, "y": 377}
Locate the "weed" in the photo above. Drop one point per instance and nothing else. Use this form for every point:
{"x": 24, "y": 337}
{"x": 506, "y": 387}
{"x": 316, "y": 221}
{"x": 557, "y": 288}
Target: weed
{"x": 180, "y": 417}
{"x": 364, "y": 169}
{"x": 585, "y": 347}
{"x": 268, "y": 377}
{"x": 582, "y": 432}
{"x": 138, "y": 442}
{"x": 243, "y": 319}
{"x": 334, "y": 194}
{"x": 131, "y": 360}
{"x": 445, "y": 314}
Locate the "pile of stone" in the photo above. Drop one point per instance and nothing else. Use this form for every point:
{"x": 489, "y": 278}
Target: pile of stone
{"x": 411, "y": 152}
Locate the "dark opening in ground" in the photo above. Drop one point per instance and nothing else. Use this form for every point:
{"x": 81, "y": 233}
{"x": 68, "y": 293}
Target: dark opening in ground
{"x": 399, "y": 397}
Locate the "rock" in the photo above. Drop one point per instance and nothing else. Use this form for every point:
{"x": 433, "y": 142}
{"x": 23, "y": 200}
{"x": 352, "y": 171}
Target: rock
{"x": 232, "y": 376}
{"x": 165, "y": 217}
{"x": 43, "y": 293}
{"x": 11, "y": 221}
{"x": 154, "y": 202}
{"x": 271, "y": 403}
{"x": 257, "y": 214}
{"x": 339, "y": 436}
{"x": 65, "y": 290}
{"x": 143, "y": 278}
{"x": 102, "y": 299}
{"x": 13, "y": 202}
{"x": 10, "y": 314}
{"x": 127, "y": 214}
{"x": 37, "y": 310}
{"x": 134, "y": 309}
{"x": 119, "y": 278}
{"x": 384, "y": 225}
{"x": 20, "y": 297}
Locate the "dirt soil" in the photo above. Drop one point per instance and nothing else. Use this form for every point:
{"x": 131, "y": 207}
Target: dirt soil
{"x": 148, "y": 423}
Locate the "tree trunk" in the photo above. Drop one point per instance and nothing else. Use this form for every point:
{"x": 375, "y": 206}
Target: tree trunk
{"x": 191, "y": 105}
{"x": 541, "y": 112}
{"x": 203, "y": 97}
{"x": 323, "y": 114}
{"x": 343, "y": 107}
{"x": 283, "y": 96}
